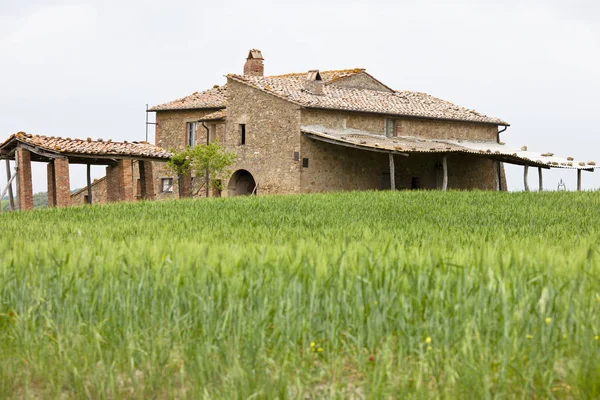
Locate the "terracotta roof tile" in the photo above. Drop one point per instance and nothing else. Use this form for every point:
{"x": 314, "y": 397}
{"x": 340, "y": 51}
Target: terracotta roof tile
{"x": 217, "y": 115}
{"x": 211, "y": 98}
{"x": 88, "y": 147}
{"x": 216, "y": 96}
{"x": 402, "y": 103}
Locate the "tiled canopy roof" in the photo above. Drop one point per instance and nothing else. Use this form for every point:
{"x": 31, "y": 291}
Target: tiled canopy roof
{"x": 87, "y": 147}
{"x": 404, "y": 103}
{"x": 217, "y": 115}
{"x": 216, "y": 97}
{"x": 410, "y": 145}
{"x": 211, "y": 98}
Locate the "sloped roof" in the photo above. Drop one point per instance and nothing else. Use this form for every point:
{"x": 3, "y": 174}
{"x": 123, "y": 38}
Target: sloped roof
{"x": 87, "y": 147}
{"x": 401, "y": 103}
{"x": 216, "y": 96}
{"x": 409, "y": 145}
{"x": 215, "y": 116}
{"x": 211, "y": 98}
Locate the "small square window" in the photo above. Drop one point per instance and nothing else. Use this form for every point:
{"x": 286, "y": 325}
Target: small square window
{"x": 305, "y": 162}
{"x": 296, "y": 156}
{"x": 242, "y": 134}
{"x": 167, "y": 185}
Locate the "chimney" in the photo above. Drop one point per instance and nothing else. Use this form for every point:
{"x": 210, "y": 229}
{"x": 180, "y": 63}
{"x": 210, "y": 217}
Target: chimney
{"x": 254, "y": 64}
{"x": 314, "y": 83}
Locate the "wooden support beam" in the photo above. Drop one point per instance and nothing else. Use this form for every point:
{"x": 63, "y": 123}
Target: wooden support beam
{"x": 540, "y": 178}
{"x": 392, "y": 172}
{"x": 8, "y": 185}
{"x": 89, "y": 183}
{"x": 445, "y": 172}
{"x": 525, "y": 183}
{"x": 578, "y": 180}
{"x": 11, "y": 196}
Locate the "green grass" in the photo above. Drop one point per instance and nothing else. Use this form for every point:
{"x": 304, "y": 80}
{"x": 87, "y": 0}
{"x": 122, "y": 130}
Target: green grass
{"x": 408, "y": 294}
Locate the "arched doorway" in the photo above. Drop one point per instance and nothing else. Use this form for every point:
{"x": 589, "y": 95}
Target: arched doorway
{"x": 242, "y": 183}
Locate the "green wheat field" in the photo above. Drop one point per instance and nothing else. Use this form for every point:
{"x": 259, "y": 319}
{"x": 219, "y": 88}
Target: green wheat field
{"x": 467, "y": 295}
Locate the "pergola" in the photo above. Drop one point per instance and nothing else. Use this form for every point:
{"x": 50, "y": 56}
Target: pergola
{"x": 59, "y": 152}
{"x": 405, "y": 146}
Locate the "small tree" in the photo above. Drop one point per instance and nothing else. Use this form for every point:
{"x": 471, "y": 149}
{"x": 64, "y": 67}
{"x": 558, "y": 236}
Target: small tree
{"x": 180, "y": 165}
{"x": 208, "y": 162}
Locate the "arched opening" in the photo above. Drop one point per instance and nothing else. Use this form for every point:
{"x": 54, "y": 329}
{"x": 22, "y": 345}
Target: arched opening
{"x": 242, "y": 183}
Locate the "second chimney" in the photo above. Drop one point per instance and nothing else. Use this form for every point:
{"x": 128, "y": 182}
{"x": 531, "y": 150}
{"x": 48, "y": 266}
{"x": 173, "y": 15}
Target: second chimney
{"x": 254, "y": 64}
{"x": 314, "y": 82}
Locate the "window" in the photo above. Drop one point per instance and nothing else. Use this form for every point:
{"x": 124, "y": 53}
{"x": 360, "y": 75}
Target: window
{"x": 242, "y": 133}
{"x": 212, "y": 133}
{"x": 305, "y": 162}
{"x": 167, "y": 185}
{"x": 191, "y": 134}
{"x": 296, "y": 156}
{"x": 390, "y": 127}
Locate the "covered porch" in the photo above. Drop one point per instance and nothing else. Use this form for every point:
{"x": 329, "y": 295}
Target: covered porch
{"x": 58, "y": 153}
{"x": 447, "y": 164}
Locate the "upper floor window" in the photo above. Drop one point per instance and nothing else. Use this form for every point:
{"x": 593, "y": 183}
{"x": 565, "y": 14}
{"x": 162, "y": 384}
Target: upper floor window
{"x": 390, "y": 127}
{"x": 242, "y": 133}
{"x": 191, "y": 134}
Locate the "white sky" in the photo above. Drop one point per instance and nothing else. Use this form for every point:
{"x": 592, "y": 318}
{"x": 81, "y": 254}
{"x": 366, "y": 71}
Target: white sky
{"x": 87, "y": 68}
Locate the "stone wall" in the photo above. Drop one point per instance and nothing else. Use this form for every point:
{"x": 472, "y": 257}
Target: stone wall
{"x": 272, "y": 137}
{"x": 448, "y": 130}
{"x": 171, "y": 134}
{"x": 344, "y": 119}
{"x": 361, "y": 81}
{"x": 428, "y": 129}
{"x": 336, "y": 168}
{"x": 98, "y": 193}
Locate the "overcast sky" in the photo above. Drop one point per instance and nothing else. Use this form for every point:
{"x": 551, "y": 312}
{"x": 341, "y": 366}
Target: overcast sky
{"x": 87, "y": 68}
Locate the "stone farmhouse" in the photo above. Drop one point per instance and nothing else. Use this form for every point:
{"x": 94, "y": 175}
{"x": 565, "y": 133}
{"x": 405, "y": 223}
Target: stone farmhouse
{"x": 320, "y": 131}
{"x": 306, "y": 132}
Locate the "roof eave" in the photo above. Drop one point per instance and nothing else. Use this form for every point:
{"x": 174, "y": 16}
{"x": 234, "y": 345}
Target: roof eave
{"x": 155, "y": 109}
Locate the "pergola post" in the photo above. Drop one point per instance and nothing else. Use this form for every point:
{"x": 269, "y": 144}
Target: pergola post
{"x": 496, "y": 175}
{"x": 119, "y": 182}
{"x": 24, "y": 184}
{"x": 445, "y": 172}
{"x": 62, "y": 181}
{"x": 392, "y": 172}
{"x": 578, "y": 180}
{"x": 51, "y": 184}
{"x": 89, "y": 184}
{"x": 11, "y": 196}
{"x": 540, "y": 179}
{"x": 146, "y": 180}
{"x": 525, "y": 183}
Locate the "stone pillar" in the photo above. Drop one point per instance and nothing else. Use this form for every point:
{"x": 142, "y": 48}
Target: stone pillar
{"x": 147, "y": 180}
{"x": 113, "y": 192}
{"x": 24, "y": 185}
{"x": 119, "y": 182}
{"x": 62, "y": 182}
{"x": 51, "y": 185}
{"x": 126, "y": 180}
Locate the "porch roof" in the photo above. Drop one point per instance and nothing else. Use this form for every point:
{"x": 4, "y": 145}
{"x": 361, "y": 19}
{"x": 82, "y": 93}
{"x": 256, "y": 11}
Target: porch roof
{"x": 410, "y": 144}
{"x": 88, "y": 151}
